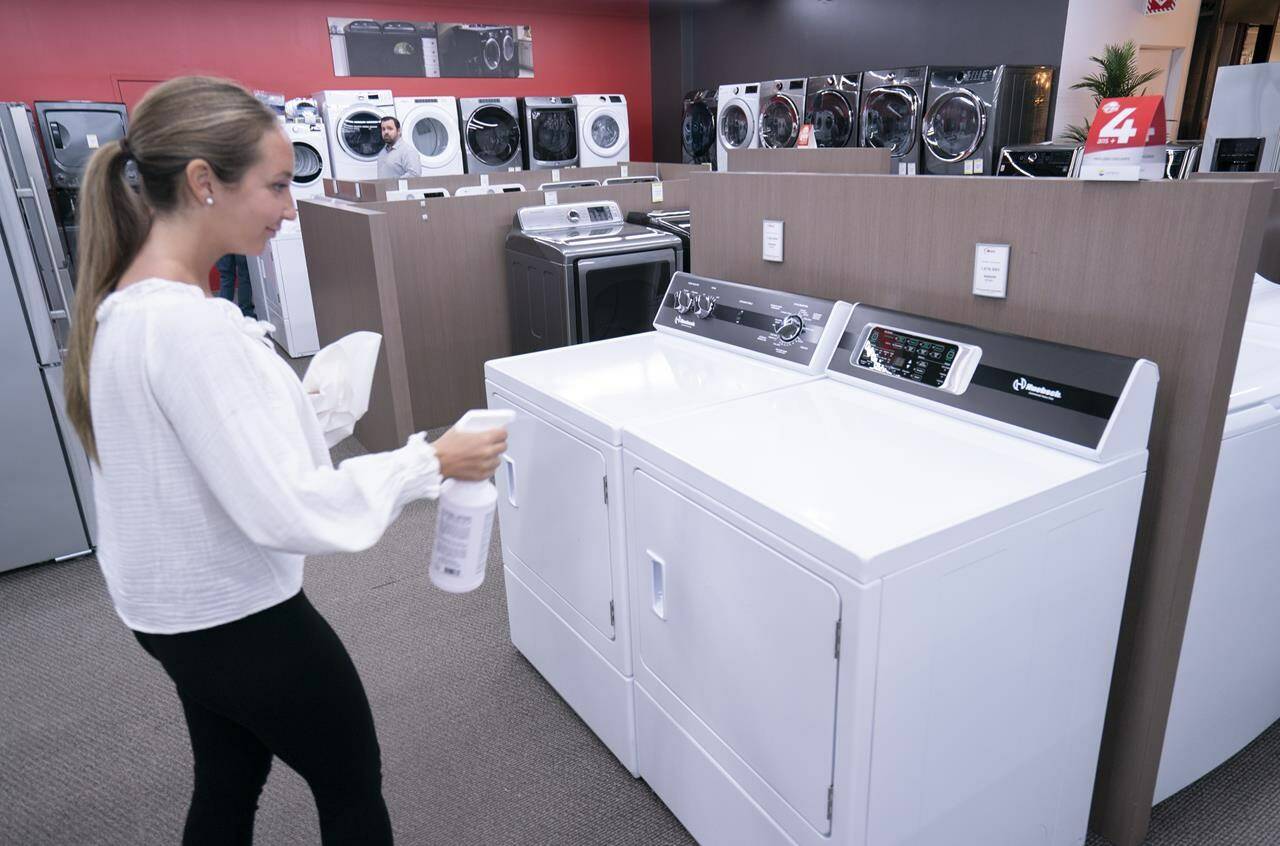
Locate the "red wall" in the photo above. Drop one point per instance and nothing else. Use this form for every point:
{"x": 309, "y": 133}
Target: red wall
{"x": 90, "y": 50}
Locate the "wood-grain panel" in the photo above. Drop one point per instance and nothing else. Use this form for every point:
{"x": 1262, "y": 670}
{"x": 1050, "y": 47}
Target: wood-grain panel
{"x": 821, "y": 160}
{"x": 1160, "y": 270}
{"x": 1269, "y": 260}
{"x": 375, "y": 190}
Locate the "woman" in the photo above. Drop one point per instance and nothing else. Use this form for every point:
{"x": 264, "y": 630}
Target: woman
{"x": 211, "y": 477}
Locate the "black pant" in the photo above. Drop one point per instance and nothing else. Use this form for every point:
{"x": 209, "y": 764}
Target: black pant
{"x": 278, "y": 682}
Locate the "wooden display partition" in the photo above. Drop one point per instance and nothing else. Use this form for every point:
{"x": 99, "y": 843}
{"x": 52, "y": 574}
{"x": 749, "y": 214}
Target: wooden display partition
{"x": 430, "y": 276}
{"x": 1091, "y": 265}
{"x": 821, "y": 160}
{"x": 1269, "y": 260}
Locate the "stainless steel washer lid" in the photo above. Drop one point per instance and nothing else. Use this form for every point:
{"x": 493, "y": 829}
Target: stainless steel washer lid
{"x": 563, "y": 246}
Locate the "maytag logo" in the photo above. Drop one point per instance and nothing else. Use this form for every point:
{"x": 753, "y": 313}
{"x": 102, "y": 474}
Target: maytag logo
{"x": 1022, "y": 386}
{"x": 685, "y": 322}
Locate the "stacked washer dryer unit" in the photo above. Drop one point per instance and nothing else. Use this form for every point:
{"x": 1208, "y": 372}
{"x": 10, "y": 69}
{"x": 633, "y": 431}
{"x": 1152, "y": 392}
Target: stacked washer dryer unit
{"x": 561, "y": 499}
{"x": 831, "y": 108}
{"x": 490, "y": 134}
{"x": 698, "y": 128}
{"x": 736, "y": 109}
{"x": 604, "y": 132}
{"x": 882, "y": 607}
{"x": 1227, "y": 690}
{"x": 550, "y": 126}
{"x": 891, "y": 114}
{"x": 430, "y": 125}
{"x": 353, "y": 126}
{"x": 971, "y": 114}
{"x": 782, "y": 109}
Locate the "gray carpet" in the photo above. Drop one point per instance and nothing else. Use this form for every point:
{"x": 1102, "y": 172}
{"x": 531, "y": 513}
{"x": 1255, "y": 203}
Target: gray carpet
{"x": 477, "y": 748}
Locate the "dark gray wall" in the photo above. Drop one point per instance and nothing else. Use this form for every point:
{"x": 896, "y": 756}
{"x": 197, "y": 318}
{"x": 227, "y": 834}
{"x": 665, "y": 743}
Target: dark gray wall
{"x": 708, "y": 44}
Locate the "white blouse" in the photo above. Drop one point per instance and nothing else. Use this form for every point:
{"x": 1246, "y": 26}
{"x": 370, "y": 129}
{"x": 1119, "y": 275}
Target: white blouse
{"x": 214, "y": 480}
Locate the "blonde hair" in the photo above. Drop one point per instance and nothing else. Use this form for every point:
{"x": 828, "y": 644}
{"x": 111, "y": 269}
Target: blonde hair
{"x": 187, "y": 118}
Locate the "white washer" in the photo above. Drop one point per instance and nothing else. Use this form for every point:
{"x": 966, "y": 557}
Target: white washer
{"x": 560, "y": 501}
{"x": 310, "y": 158}
{"x": 736, "y": 113}
{"x": 282, "y": 291}
{"x": 871, "y": 611}
{"x": 604, "y": 133}
{"x": 352, "y": 124}
{"x": 1227, "y": 690}
{"x": 430, "y": 124}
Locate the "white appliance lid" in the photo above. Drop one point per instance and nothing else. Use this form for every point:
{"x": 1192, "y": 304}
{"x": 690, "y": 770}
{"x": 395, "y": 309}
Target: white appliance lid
{"x": 1257, "y": 378}
{"x": 1264, "y": 302}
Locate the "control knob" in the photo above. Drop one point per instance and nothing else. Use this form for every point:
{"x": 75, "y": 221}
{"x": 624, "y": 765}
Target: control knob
{"x": 706, "y": 305}
{"x": 790, "y": 328}
{"x": 684, "y": 301}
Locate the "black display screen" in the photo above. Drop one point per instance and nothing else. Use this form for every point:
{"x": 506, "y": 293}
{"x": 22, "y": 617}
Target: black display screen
{"x": 1237, "y": 155}
{"x": 895, "y": 353}
{"x": 598, "y": 213}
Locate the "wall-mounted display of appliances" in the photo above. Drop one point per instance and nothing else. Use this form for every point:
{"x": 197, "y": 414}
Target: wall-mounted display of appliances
{"x": 430, "y": 125}
{"x": 831, "y": 108}
{"x": 604, "y": 132}
{"x": 550, "y": 126}
{"x": 782, "y": 109}
{"x": 490, "y": 134}
{"x": 353, "y": 124}
{"x": 972, "y": 113}
{"x": 485, "y": 50}
{"x": 737, "y": 108}
{"x": 893, "y": 104}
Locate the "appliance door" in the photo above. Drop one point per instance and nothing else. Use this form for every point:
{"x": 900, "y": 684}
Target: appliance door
{"x": 954, "y": 125}
{"x": 743, "y": 636}
{"x": 736, "y": 125}
{"x": 493, "y": 135}
{"x": 553, "y": 136}
{"x": 620, "y": 295}
{"x": 1038, "y": 163}
{"x": 1238, "y": 155}
{"x": 832, "y": 117}
{"x": 1180, "y": 161}
{"x": 890, "y": 118}
{"x": 604, "y": 133}
{"x": 360, "y": 133}
{"x": 508, "y": 47}
{"x": 779, "y": 122}
{"x": 698, "y": 132}
{"x": 552, "y": 509}
{"x": 73, "y": 135}
{"x": 430, "y": 133}
{"x": 491, "y": 53}
{"x": 308, "y": 166}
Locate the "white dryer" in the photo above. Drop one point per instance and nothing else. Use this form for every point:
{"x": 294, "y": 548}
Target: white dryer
{"x": 282, "y": 291}
{"x": 560, "y": 501}
{"x": 882, "y": 607}
{"x": 310, "y": 157}
{"x": 736, "y": 109}
{"x": 430, "y": 124}
{"x": 1227, "y": 690}
{"x": 604, "y": 133}
{"x": 352, "y": 121}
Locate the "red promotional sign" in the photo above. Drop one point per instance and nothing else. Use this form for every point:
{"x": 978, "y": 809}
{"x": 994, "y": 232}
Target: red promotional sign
{"x": 1126, "y": 140}
{"x": 1155, "y": 7}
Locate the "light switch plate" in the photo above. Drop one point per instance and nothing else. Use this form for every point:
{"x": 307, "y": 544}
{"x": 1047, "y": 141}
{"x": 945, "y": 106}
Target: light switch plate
{"x": 991, "y": 270}
{"x": 773, "y": 240}
{"x": 656, "y": 192}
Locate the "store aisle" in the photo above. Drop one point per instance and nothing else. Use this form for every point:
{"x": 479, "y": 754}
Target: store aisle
{"x": 478, "y": 750}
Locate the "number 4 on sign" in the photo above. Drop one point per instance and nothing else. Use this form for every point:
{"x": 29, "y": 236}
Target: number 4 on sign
{"x": 1120, "y": 129}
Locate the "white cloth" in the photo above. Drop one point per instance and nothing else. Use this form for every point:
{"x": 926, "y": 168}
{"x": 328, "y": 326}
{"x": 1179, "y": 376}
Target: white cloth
{"x": 399, "y": 161}
{"x": 214, "y": 479}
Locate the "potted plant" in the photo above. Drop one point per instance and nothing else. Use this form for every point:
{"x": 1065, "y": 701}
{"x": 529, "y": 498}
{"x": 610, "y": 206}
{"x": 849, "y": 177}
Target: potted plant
{"x": 1117, "y": 76}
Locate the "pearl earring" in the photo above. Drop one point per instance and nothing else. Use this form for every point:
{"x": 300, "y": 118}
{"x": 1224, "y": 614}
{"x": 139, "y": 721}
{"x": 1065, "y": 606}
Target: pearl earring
{"x": 208, "y": 201}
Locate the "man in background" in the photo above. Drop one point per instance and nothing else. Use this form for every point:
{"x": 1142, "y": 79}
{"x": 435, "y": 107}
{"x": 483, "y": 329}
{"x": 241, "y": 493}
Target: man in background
{"x": 398, "y": 159}
{"x": 233, "y": 276}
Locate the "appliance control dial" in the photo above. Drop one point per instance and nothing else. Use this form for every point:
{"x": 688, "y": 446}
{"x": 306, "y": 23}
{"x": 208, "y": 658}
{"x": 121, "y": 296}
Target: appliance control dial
{"x": 684, "y": 301}
{"x": 790, "y": 328}
{"x": 706, "y": 305}
{"x": 574, "y": 217}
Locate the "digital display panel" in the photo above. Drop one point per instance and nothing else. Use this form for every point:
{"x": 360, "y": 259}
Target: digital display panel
{"x": 598, "y": 213}
{"x": 905, "y": 356}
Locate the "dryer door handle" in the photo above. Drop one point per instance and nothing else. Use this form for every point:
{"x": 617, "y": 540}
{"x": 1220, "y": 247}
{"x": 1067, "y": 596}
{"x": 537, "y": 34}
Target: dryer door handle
{"x": 510, "y": 464}
{"x": 657, "y": 584}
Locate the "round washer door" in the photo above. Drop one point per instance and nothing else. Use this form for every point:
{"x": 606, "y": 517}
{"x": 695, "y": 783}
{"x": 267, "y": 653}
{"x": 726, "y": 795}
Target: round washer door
{"x": 430, "y": 135}
{"x": 890, "y": 118}
{"x": 698, "y": 131}
{"x": 832, "y": 118}
{"x": 604, "y": 132}
{"x": 491, "y": 51}
{"x": 555, "y": 135}
{"x": 736, "y": 125}
{"x": 779, "y": 122}
{"x": 360, "y": 133}
{"x": 508, "y": 48}
{"x": 307, "y": 164}
{"x": 954, "y": 125}
{"x": 493, "y": 135}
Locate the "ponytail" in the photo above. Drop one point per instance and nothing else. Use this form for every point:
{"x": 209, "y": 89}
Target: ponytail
{"x": 177, "y": 122}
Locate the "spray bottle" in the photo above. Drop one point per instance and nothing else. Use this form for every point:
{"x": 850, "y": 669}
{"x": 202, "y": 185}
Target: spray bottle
{"x": 464, "y": 519}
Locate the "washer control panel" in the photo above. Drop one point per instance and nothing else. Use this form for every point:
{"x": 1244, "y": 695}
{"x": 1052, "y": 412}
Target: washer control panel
{"x": 922, "y": 359}
{"x": 778, "y": 324}
{"x": 543, "y": 218}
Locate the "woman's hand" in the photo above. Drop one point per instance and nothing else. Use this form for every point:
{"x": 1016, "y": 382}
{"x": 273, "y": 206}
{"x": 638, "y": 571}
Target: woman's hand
{"x": 470, "y": 456}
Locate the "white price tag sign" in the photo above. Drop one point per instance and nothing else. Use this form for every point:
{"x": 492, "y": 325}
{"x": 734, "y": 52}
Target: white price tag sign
{"x": 549, "y": 198}
{"x": 656, "y": 191}
{"x": 555, "y": 174}
{"x": 991, "y": 270}
{"x": 91, "y": 140}
{"x": 404, "y": 185}
{"x": 773, "y": 240}
{"x": 622, "y": 170}
{"x": 484, "y": 180}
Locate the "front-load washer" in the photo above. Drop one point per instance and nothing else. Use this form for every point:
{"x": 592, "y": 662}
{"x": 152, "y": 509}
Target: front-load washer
{"x": 550, "y": 126}
{"x": 477, "y": 50}
{"x": 310, "y": 157}
{"x": 1181, "y": 159}
{"x": 971, "y": 114}
{"x": 831, "y": 108}
{"x": 1243, "y": 131}
{"x": 678, "y": 222}
{"x": 698, "y": 128}
{"x": 736, "y": 110}
{"x": 430, "y": 125}
{"x": 578, "y": 272}
{"x": 604, "y": 133}
{"x": 353, "y": 126}
{"x": 1227, "y": 689}
{"x": 891, "y": 113}
{"x": 560, "y": 501}
{"x": 1040, "y": 160}
{"x": 883, "y": 607}
{"x": 490, "y": 134}
{"x": 781, "y": 114}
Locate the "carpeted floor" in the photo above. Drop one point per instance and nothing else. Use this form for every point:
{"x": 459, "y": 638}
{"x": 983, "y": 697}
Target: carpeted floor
{"x": 478, "y": 750}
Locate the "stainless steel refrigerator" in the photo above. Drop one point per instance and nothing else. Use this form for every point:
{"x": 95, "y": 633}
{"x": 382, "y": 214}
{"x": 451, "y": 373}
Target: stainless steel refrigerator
{"x": 46, "y": 498}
